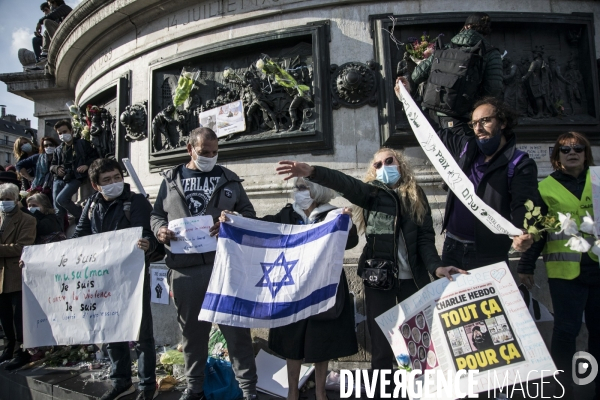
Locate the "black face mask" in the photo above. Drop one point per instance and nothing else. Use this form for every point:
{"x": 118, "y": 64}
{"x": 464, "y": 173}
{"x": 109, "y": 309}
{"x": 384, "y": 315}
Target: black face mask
{"x": 490, "y": 146}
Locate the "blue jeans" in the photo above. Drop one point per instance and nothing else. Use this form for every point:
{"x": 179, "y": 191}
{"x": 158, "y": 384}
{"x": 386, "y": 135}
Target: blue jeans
{"x": 570, "y": 298}
{"x": 120, "y": 372}
{"x": 62, "y": 193}
{"x": 36, "y": 43}
{"x": 465, "y": 255}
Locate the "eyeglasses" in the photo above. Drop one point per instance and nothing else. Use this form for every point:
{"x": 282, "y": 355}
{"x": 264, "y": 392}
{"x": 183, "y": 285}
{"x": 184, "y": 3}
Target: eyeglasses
{"x": 578, "y": 148}
{"x": 485, "y": 121}
{"x": 301, "y": 188}
{"x": 387, "y": 161}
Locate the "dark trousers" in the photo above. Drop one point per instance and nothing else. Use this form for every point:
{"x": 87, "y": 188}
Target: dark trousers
{"x": 570, "y": 298}
{"x": 189, "y": 286}
{"x": 378, "y": 302}
{"x": 11, "y": 316}
{"x": 465, "y": 255}
{"x": 63, "y": 193}
{"x": 36, "y": 43}
{"x": 120, "y": 358}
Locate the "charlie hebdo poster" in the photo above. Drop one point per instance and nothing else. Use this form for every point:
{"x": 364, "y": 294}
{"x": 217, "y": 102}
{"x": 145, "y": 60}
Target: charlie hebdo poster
{"x": 477, "y": 322}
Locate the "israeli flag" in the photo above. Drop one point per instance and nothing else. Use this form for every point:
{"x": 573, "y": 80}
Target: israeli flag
{"x": 268, "y": 275}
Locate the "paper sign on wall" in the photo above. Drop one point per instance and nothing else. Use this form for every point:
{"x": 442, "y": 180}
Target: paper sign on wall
{"x": 84, "y": 290}
{"x": 159, "y": 286}
{"x": 224, "y": 120}
{"x": 193, "y": 235}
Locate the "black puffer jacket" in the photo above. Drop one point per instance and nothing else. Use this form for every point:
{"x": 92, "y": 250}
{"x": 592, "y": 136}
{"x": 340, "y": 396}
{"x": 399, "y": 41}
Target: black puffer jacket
{"x": 84, "y": 154}
{"x": 109, "y": 216}
{"x": 386, "y": 222}
{"x": 492, "y": 83}
{"x": 494, "y": 188}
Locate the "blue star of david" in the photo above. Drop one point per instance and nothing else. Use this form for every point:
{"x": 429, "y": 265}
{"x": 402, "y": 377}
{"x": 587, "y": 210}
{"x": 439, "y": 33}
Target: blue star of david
{"x": 274, "y": 287}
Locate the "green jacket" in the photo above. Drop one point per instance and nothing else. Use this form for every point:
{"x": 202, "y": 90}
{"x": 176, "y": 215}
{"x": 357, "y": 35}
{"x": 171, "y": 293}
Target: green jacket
{"x": 492, "y": 83}
{"x": 387, "y": 222}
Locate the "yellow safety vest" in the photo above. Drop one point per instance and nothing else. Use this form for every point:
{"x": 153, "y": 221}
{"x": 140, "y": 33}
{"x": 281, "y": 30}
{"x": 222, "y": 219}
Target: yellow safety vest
{"x": 562, "y": 262}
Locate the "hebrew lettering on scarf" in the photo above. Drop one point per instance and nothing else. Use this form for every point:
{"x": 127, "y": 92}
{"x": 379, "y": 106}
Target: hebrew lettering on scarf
{"x": 450, "y": 172}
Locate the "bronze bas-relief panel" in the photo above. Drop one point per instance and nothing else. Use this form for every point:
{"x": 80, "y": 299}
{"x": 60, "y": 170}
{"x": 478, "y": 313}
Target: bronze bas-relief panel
{"x": 278, "y": 119}
{"x": 549, "y": 68}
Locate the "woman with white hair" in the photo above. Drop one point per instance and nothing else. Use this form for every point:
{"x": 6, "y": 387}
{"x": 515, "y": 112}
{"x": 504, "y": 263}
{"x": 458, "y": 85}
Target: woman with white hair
{"x": 17, "y": 230}
{"x": 321, "y": 338}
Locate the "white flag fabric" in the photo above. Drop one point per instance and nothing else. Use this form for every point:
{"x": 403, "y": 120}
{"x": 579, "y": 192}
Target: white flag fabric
{"x": 450, "y": 172}
{"x": 268, "y": 275}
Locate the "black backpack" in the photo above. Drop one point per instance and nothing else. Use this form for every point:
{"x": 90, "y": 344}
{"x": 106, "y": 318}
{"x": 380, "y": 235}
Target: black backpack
{"x": 455, "y": 79}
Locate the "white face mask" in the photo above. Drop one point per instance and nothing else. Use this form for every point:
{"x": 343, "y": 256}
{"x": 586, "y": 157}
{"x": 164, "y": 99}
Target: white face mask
{"x": 205, "y": 164}
{"x": 49, "y": 150}
{"x": 26, "y": 148}
{"x": 7, "y": 206}
{"x": 66, "y": 137}
{"x": 303, "y": 199}
{"x": 112, "y": 190}
{"x": 33, "y": 209}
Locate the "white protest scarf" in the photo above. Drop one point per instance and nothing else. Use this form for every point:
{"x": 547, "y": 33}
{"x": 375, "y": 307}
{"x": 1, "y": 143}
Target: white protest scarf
{"x": 450, "y": 172}
{"x": 268, "y": 275}
{"x": 84, "y": 290}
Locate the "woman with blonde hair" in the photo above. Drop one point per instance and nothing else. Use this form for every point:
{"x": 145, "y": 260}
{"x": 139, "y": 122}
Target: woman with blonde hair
{"x": 400, "y": 253}
{"x": 22, "y": 149}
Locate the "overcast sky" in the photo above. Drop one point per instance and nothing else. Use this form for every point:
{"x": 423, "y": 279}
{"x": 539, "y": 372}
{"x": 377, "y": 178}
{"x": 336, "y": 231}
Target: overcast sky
{"x": 19, "y": 18}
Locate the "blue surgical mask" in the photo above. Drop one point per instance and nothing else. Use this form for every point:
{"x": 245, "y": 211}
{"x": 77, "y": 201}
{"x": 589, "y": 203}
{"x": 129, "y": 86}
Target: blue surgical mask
{"x": 388, "y": 174}
{"x": 489, "y": 146}
{"x": 7, "y": 206}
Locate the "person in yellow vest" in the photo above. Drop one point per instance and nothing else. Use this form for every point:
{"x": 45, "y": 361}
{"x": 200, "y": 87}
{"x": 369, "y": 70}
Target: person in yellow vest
{"x": 573, "y": 277}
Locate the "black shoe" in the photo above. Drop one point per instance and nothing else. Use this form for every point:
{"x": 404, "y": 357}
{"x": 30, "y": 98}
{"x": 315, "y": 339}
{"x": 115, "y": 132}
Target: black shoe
{"x": 22, "y": 357}
{"x": 147, "y": 394}
{"x": 117, "y": 392}
{"x": 189, "y": 395}
{"x": 7, "y": 354}
{"x": 251, "y": 397}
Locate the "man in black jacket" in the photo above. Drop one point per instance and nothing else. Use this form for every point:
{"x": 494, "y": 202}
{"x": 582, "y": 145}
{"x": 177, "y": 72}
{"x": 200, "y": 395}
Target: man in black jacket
{"x": 114, "y": 206}
{"x": 69, "y": 166}
{"x": 50, "y": 23}
{"x": 503, "y": 177}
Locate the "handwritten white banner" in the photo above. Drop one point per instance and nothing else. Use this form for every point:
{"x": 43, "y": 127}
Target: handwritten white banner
{"x": 193, "y": 235}
{"x": 450, "y": 172}
{"x": 84, "y": 290}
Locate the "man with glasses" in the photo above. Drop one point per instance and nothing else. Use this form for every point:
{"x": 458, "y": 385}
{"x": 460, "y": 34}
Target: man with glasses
{"x": 503, "y": 177}
{"x": 200, "y": 187}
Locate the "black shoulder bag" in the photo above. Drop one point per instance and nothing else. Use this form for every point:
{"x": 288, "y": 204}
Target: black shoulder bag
{"x": 379, "y": 273}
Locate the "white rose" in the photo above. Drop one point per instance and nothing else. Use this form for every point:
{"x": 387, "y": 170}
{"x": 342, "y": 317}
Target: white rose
{"x": 260, "y": 64}
{"x": 596, "y": 248}
{"x": 579, "y": 244}
{"x": 568, "y": 226}
{"x": 227, "y": 72}
{"x": 588, "y": 225}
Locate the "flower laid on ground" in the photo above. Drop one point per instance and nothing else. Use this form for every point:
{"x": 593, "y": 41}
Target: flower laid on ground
{"x": 421, "y": 49}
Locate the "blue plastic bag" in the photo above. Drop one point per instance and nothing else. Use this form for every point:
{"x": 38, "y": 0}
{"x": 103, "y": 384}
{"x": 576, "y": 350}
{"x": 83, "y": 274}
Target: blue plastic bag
{"x": 219, "y": 381}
